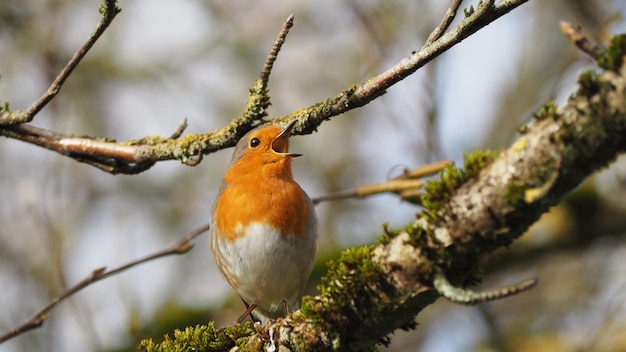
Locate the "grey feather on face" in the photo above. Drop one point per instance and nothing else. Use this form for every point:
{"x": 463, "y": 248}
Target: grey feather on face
{"x": 241, "y": 146}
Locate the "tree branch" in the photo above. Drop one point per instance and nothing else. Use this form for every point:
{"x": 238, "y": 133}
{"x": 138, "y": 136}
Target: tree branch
{"x": 137, "y": 155}
{"x": 373, "y": 290}
{"x": 184, "y": 245}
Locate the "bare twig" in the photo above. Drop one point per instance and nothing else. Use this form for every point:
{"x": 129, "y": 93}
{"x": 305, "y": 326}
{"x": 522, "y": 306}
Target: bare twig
{"x": 445, "y": 22}
{"x": 576, "y": 35}
{"x": 273, "y": 54}
{"x": 407, "y": 185}
{"x": 109, "y": 10}
{"x": 124, "y": 157}
{"x": 259, "y": 99}
{"x": 426, "y": 170}
{"x": 181, "y": 128}
{"x": 184, "y": 245}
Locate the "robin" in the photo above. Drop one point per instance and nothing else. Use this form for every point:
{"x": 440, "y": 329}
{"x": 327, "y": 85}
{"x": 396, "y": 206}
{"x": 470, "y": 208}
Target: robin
{"x": 264, "y": 229}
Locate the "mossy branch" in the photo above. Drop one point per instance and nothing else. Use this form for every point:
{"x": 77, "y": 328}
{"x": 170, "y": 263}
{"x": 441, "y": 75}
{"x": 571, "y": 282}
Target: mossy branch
{"x": 138, "y": 155}
{"x": 373, "y": 290}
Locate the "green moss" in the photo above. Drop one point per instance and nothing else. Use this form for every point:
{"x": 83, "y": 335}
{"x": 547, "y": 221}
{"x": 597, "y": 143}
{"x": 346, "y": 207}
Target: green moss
{"x": 418, "y": 234}
{"x": 340, "y": 277}
{"x": 106, "y": 12}
{"x": 310, "y": 309}
{"x": 201, "y": 338}
{"x": 589, "y": 83}
{"x": 358, "y": 307}
{"x": 349, "y": 293}
{"x": 547, "y": 111}
{"x": 477, "y": 160}
{"x": 470, "y": 11}
{"x": 387, "y": 235}
{"x": 515, "y": 194}
{"x": 614, "y": 54}
{"x": 104, "y": 8}
{"x": 523, "y": 129}
{"x": 348, "y": 92}
{"x": 438, "y": 192}
{"x": 4, "y": 108}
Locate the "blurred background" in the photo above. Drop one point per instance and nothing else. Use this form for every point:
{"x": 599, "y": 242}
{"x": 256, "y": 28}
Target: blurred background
{"x": 162, "y": 61}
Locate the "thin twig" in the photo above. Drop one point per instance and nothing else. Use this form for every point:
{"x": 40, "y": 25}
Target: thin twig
{"x": 576, "y": 35}
{"x": 426, "y": 170}
{"x": 179, "y": 131}
{"x": 468, "y": 297}
{"x": 407, "y": 185}
{"x": 184, "y": 245}
{"x": 109, "y": 10}
{"x": 273, "y": 54}
{"x": 445, "y": 22}
{"x": 193, "y": 161}
{"x": 259, "y": 99}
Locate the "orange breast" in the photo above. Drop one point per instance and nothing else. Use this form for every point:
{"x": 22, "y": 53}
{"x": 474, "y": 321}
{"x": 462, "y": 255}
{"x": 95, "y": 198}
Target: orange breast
{"x": 275, "y": 201}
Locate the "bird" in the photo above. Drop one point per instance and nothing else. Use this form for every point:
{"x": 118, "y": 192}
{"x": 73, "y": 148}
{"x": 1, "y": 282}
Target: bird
{"x": 263, "y": 233}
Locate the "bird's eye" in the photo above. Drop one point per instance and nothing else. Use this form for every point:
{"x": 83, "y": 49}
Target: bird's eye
{"x": 254, "y": 142}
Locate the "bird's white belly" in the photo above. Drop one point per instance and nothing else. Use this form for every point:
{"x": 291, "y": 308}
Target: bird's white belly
{"x": 266, "y": 267}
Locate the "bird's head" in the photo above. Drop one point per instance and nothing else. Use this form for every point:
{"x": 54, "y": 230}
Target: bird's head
{"x": 263, "y": 150}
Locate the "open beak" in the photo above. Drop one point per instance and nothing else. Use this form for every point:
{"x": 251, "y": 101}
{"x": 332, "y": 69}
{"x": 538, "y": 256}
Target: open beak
{"x": 280, "y": 144}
